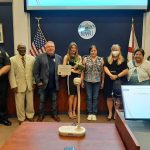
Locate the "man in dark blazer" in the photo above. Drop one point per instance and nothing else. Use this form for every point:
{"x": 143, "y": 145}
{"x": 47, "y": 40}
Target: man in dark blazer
{"x": 46, "y": 78}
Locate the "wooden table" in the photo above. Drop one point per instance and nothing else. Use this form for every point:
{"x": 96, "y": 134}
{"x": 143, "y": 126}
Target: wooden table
{"x": 44, "y": 136}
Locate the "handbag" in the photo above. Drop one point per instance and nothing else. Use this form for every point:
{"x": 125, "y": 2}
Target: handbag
{"x": 116, "y": 88}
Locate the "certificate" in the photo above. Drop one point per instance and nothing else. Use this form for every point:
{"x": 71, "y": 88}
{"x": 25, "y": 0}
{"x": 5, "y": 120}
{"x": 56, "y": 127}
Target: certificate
{"x": 64, "y": 70}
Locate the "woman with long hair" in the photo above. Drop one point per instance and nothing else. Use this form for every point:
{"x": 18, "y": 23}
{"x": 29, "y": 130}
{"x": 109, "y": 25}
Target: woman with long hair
{"x": 74, "y": 59}
{"x": 115, "y": 68}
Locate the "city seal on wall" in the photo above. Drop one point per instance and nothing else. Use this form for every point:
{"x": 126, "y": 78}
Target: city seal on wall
{"x": 86, "y": 29}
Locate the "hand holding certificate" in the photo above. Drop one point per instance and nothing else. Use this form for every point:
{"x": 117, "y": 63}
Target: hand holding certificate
{"x": 64, "y": 70}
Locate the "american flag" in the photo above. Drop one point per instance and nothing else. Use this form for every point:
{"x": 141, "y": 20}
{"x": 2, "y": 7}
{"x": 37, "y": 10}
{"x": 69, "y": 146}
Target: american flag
{"x": 38, "y": 44}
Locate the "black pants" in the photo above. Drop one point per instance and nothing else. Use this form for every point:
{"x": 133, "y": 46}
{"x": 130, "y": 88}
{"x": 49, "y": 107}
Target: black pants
{"x": 3, "y": 99}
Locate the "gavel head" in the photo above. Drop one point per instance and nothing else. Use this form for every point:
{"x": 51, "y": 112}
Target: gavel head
{"x": 77, "y": 81}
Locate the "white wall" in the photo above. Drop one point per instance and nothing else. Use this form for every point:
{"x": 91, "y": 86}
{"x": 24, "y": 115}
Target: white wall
{"x": 21, "y": 24}
{"x": 146, "y": 34}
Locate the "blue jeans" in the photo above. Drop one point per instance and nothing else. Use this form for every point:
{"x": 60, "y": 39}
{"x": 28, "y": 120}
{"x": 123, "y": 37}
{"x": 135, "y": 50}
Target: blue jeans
{"x": 44, "y": 94}
{"x": 92, "y": 91}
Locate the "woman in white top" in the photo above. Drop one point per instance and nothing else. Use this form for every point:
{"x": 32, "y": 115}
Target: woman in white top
{"x": 139, "y": 69}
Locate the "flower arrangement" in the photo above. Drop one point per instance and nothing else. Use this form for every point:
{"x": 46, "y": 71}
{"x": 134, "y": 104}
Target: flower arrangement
{"x": 77, "y": 65}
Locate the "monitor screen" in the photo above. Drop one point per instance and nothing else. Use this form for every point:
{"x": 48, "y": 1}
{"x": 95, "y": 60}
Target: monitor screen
{"x": 136, "y": 102}
{"x": 85, "y": 4}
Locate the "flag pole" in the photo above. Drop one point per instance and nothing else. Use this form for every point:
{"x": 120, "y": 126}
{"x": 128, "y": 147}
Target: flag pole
{"x": 133, "y": 44}
{"x": 133, "y": 33}
{"x": 132, "y": 20}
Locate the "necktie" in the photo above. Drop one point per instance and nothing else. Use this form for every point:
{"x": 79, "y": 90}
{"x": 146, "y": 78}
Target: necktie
{"x": 23, "y": 62}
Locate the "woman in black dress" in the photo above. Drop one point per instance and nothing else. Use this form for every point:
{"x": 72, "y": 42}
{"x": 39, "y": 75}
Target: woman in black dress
{"x": 74, "y": 59}
{"x": 115, "y": 68}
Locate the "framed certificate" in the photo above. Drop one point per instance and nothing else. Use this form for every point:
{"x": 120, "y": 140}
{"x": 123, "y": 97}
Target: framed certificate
{"x": 64, "y": 70}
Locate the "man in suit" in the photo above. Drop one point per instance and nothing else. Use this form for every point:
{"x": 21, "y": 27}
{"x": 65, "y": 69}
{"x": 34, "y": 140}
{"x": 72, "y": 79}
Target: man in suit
{"x": 46, "y": 78}
{"x": 22, "y": 82}
{"x": 4, "y": 69}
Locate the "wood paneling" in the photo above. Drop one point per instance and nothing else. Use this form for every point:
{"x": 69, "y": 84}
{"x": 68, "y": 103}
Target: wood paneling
{"x": 62, "y": 100}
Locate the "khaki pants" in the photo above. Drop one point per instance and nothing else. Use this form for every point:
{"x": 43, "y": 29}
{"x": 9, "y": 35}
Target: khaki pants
{"x": 24, "y": 105}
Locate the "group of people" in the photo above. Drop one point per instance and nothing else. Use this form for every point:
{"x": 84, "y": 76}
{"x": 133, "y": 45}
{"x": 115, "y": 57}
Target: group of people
{"x": 24, "y": 72}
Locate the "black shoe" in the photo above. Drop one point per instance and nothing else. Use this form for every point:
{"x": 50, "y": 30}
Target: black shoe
{"x": 109, "y": 119}
{"x": 5, "y": 122}
{"x": 56, "y": 118}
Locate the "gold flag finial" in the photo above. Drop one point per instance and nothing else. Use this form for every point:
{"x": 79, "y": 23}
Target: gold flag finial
{"x": 38, "y": 20}
{"x": 132, "y": 20}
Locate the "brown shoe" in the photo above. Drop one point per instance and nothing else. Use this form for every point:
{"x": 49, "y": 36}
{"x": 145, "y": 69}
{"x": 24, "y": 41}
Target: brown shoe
{"x": 30, "y": 119}
{"x": 74, "y": 114}
{"x": 40, "y": 118}
{"x": 20, "y": 122}
{"x": 70, "y": 115}
{"x": 56, "y": 118}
